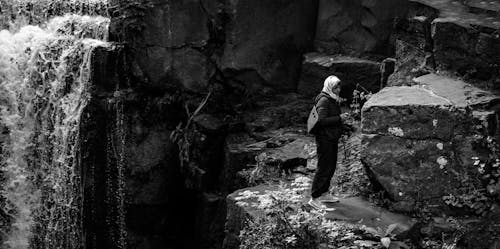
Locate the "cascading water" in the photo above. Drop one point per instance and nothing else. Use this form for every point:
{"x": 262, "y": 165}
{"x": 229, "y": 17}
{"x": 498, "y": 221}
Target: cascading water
{"x": 44, "y": 88}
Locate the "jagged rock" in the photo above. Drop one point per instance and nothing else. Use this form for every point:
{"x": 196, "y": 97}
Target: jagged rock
{"x": 352, "y": 71}
{"x": 466, "y": 49}
{"x": 446, "y": 35}
{"x": 413, "y": 44}
{"x": 278, "y": 151}
{"x": 278, "y": 111}
{"x": 269, "y": 37}
{"x": 355, "y": 27}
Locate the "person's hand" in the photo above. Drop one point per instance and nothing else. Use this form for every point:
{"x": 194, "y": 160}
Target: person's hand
{"x": 348, "y": 129}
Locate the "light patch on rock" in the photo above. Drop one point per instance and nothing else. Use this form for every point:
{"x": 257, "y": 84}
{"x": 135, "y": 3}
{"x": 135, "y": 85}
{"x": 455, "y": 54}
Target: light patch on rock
{"x": 434, "y": 122}
{"x": 442, "y": 161}
{"x": 396, "y": 131}
{"x": 439, "y": 146}
{"x": 400, "y": 193}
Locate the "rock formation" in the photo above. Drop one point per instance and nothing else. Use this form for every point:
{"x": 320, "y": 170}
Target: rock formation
{"x": 356, "y": 27}
{"x": 419, "y": 141}
{"x": 155, "y": 175}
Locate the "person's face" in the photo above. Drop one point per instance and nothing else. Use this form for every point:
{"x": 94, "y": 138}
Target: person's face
{"x": 336, "y": 89}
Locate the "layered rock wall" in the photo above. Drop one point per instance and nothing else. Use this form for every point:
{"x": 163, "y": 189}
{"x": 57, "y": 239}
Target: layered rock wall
{"x": 447, "y": 35}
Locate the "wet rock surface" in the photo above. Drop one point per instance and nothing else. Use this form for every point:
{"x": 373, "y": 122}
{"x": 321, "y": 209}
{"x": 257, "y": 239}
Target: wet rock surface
{"x": 353, "y": 210}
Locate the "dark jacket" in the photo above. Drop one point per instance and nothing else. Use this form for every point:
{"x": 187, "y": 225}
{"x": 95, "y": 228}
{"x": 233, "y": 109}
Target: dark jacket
{"x": 329, "y": 121}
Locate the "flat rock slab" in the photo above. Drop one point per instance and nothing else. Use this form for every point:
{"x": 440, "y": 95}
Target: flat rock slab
{"x": 352, "y": 71}
{"x": 460, "y": 14}
{"x": 354, "y": 210}
{"x": 357, "y": 210}
{"x": 491, "y": 7}
{"x": 458, "y": 92}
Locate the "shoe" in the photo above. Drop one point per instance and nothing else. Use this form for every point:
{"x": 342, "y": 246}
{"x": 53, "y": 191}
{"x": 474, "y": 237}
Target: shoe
{"x": 318, "y": 205}
{"x": 328, "y": 198}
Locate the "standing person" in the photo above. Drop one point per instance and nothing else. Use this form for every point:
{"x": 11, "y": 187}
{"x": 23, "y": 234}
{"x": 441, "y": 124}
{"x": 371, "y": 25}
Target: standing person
{"x": 329, "y": 130}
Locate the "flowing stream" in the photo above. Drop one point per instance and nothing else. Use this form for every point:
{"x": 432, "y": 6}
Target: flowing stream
{"x": 44, "y": 89}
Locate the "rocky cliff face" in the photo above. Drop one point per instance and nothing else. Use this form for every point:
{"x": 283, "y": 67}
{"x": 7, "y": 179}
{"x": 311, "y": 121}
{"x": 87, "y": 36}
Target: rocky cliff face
{"x": 138, "y": 179}
{"x": 143, "y": 189}
{"x": 185, "y": 43}
{"x": 423, "y": 135}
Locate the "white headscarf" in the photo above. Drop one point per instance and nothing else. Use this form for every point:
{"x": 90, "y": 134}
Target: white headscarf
{"x": 331, "y": 83}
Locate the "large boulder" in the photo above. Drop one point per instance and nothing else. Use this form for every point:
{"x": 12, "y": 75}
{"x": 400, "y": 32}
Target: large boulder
{"x": 418, "y": 141}
{"x": 415, "y": 113}
{"x": 356, "y": 27}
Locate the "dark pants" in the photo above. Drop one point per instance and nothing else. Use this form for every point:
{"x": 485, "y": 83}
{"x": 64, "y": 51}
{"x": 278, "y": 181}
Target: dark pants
{"x": 327, "y": 162}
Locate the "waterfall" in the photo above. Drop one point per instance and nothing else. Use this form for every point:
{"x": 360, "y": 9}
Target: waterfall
{"x": 44, "y": 89}
{"x": 115, "y": 191}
